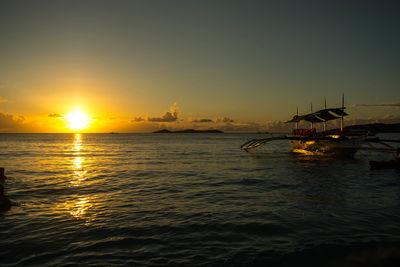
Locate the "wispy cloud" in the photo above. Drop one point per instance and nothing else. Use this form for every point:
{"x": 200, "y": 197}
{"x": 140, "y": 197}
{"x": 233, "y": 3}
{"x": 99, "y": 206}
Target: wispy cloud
{"x": 3, "y": 100}
{"x": 55, "y": 115}
{"x": 202, "y": 120}
{"x": 137, "y": 119}
{"x": 393, "y": 104}
{"x": 223, "y": 119}
{"x": 10, "y": 122}
{"x": 240, "y": 127}
{"x": 217, "y": 120}
{"x": 225, "y": 124}
{"x": 278, "y": 126}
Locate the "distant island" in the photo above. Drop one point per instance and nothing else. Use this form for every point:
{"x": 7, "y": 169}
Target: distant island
{"x": 377, "y": 127}
{"x": 188, "y": 131}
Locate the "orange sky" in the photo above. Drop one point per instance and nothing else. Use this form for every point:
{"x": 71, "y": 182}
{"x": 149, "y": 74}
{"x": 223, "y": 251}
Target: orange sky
{"x": 235, "y": 67}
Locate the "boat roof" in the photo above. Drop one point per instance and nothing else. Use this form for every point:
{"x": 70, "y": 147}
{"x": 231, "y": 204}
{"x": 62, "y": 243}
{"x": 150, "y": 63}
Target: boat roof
{"x": 321, "y": 115}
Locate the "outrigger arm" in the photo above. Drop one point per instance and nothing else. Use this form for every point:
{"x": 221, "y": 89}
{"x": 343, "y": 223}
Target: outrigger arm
{"x": 261, "y": 141}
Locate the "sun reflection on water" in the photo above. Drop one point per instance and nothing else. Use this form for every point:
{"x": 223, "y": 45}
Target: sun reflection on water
{"x": 78, "y": 162}
{"x": 77, "y": 144}
{"x": 77, "y": 208}
{"x": 79, "y": 172}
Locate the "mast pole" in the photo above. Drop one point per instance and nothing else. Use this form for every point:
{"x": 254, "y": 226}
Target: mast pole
{"x": 311, "y": 122}
{"x": 341, "y": 120}
{"x": 297, "y": 114}
{"x": 325, "y": 120}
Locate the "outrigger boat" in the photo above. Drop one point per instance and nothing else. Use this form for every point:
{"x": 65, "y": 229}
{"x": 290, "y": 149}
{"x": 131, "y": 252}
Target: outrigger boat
{"x": 336, "y": 141}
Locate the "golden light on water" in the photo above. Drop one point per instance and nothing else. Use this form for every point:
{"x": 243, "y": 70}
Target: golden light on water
{"x": 79, "y": 172}
{"x": 77, "y": 208}
{"x": 77, "y": 143}
{"x": 78, "y": 162}
{"x": 77, "y": 120}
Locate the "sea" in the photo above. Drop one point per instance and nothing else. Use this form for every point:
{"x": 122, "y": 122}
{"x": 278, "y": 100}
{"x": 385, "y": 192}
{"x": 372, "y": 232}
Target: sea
{"x": 193, "y": 200}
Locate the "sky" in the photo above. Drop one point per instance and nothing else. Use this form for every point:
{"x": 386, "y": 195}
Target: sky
{"x": 237, "y": 66}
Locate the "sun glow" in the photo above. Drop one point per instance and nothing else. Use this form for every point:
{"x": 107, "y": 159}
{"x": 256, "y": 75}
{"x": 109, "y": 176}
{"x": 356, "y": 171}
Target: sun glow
{"x": 77, "y": 120}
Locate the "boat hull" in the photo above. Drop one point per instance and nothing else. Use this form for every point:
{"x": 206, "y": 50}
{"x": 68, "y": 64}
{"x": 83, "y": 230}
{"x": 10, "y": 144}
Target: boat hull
{"x": 346, "y": 147}
{"x": 384, "y": 164}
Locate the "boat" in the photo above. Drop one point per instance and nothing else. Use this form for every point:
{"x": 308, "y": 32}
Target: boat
{"x": 339, "y": 141}
{"x": 394, "y": 163}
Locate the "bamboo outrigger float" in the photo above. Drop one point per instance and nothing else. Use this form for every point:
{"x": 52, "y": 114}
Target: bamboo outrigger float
{"x": 336, "y": 141}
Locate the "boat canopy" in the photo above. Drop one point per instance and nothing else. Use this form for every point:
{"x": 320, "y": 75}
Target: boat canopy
{"x": 321, "y": 115}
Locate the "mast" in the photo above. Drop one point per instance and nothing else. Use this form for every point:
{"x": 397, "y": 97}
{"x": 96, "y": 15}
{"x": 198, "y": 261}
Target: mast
{"x": 341, "y": 119}
{"x": 297, "y": 114}
{"x": 325, "y": 120}
{"x": 311, "y": 122}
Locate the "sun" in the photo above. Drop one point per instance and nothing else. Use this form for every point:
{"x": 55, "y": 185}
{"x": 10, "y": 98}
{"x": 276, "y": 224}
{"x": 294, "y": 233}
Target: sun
{"x": 77, "y": 120}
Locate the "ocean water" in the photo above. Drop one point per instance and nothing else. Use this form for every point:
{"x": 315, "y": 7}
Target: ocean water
{"x": 192, "y": 200}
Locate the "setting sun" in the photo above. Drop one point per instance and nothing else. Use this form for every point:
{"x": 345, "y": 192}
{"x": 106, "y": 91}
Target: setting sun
{"x": 77, "y": 120}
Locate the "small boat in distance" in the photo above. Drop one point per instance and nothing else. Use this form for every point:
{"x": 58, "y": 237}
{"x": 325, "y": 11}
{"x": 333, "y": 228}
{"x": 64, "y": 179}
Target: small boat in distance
{"x": 340, "y": 141}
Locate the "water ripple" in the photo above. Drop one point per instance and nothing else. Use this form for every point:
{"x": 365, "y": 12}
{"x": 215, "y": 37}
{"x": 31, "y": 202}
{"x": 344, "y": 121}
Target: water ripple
{"x": 142, "y": 199}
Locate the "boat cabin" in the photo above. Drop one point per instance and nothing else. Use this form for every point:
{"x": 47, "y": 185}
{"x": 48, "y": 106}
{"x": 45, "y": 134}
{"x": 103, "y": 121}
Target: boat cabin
{"x": 320, "y": 116}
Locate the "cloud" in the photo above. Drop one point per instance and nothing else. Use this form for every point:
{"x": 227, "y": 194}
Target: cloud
{"x": 278, "y": 126}
{"x": 224, "y": 124}
{"x": 388, "y": 118}
{"x": 55, "y": 115}
{"x": 393, "y": 104}
{"x": 202, "y": 120}
{"x": 217, "y": 120}
{"x": 240, "y": 127}
{"x": 224, "y": 119}
{"x": 169, "y": 116}
{"x": 137, "y": 119}
{"x": 10, "y": 122}
{"x": 3, "y": 100}
{"x": 391, "y": 117}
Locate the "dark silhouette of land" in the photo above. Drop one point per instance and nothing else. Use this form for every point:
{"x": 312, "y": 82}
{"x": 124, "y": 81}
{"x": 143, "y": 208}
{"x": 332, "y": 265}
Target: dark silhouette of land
{"x": 378, "y": 127}
{"x": 189, "y": 131}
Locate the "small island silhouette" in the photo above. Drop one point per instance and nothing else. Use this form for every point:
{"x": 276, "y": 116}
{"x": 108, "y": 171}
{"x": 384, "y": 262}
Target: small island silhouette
{"x": 189, "y": 131}
{"x": 377, "y": 127}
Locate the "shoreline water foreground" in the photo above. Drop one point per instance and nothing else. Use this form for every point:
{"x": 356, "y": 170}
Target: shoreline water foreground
{"x": 155, "y": 199}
